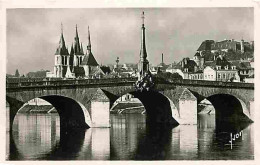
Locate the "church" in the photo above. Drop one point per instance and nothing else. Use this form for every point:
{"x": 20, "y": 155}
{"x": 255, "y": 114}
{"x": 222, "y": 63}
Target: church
{"x": 75, "y": 64}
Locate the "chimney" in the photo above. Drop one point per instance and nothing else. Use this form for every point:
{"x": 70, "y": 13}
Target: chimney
{"x": 195, "y": 68}
{"x": 185, "y": 61}
{"x": 242, "y": 46}
{"x": 182, "y": 63}
{"x": 162, "y": 58}
{"x": 252, "y": 45}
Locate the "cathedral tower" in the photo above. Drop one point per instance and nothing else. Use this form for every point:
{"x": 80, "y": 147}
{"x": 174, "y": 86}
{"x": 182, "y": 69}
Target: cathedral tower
{"x": 89, "y": 62}
{"x": 61, "y": 57}
{"x": 78, "y": 50}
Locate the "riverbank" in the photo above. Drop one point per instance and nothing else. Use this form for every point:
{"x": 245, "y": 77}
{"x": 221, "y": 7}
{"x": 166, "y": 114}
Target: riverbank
{"x": 128, "y": 107}
{"x": 38, "y": 109}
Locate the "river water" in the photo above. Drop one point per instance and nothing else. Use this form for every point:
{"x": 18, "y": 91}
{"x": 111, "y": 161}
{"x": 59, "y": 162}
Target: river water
{"x": 38, "y": 137}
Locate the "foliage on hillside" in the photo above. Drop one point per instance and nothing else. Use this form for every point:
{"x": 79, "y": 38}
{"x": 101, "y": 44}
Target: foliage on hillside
{"x": 166, "y": 76}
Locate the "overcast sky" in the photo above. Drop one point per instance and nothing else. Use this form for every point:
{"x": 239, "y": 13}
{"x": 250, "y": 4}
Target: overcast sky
{"x": 33, "y": 34}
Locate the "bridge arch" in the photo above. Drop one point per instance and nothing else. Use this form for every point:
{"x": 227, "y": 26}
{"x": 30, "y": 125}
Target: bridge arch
{"x": 229, "y": 108}
{"x": 73, "y": 114}
{"x": 160, "y": 110}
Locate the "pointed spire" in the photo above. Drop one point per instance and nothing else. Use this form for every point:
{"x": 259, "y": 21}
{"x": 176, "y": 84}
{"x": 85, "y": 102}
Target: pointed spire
{"x": 81, "y": 48}
{"x": 61, "y": 28}
{"x": 71, "y": 50}
{"x": 62, "y": 50}
{"x": 62, "y": 41}
{"x": 77, "y": 31}
{"x": 89, "y": 43}
{"x": 76, "y": 43}
{"x": 142, "y": 19}
{"x": 143, "y": 53}
{"x": 143, "y": 63}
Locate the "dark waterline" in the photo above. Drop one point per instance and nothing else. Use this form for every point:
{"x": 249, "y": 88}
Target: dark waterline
{"x": 38, "y": 137}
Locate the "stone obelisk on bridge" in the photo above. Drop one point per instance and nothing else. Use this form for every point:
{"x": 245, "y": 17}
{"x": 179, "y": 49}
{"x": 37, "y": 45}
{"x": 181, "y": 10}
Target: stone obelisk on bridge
{"x": 145, "y": 81}
{"x": 143, "y": 63}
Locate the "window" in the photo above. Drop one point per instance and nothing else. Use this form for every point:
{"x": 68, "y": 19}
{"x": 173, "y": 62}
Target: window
{"x": 226, "y": 67}
{"x": 219, "y": 75}
{"x": 224, "y": 75}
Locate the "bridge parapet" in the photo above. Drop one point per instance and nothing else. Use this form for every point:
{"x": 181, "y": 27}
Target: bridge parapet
{"x": 187, "y": 82}
{"x": 74, "y": 82}
{"x": 79, "y": 82}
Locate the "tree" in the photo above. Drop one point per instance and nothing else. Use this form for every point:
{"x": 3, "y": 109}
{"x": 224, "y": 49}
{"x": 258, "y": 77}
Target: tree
{"x": 105, "y": 69}
{"x": 17, "y": 74}
{"x": 168, "y": 76}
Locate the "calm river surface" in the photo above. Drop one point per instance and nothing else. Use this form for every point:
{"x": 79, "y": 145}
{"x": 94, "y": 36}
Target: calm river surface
{"x": 38, "y": 137}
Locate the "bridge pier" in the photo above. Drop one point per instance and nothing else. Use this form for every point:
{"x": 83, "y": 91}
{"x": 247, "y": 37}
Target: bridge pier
{"x": 188, "y": 108}
{"x": 15, "y": 105}
{"x": 99, "y": 108}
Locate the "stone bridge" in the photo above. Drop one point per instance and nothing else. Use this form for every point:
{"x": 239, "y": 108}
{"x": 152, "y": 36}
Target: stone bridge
{"x": 87, "y": 103}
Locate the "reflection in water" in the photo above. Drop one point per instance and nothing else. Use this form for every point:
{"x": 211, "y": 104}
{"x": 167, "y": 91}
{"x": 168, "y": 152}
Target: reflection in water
{"x": 38, "y": 137}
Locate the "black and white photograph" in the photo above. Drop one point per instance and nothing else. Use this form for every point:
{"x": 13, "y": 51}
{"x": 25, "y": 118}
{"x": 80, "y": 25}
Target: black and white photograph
{"x": 129, "y": 83}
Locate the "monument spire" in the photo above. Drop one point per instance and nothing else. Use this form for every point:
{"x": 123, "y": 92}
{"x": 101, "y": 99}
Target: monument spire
{"x": 143, "y": 52}
{"x": 145, "y": 80}
{"x": 143, "y": 63}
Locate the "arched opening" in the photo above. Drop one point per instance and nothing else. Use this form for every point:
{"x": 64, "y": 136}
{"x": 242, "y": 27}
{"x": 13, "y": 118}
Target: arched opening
{"x": 206, "y": 115}
{"x": 141, "y": 121}
{"x": 44, "y": 125}
{"x": 230, "y": 112}
{"x": 159, "y": 109}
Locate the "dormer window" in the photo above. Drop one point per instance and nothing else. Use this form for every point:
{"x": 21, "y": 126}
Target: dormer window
{"x": 218, "y": 67}
{"x": 226, "y": 67}
{"x": 233, "y": 67}
{"x": 185, "y": 69}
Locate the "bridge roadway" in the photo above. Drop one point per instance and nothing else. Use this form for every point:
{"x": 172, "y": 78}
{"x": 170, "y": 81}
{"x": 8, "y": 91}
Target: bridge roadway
{"x": 86, "y": 102}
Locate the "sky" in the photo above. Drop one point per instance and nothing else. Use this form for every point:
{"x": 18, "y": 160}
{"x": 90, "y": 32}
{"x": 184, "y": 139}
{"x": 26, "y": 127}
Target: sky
{"x": 33, "y": 34}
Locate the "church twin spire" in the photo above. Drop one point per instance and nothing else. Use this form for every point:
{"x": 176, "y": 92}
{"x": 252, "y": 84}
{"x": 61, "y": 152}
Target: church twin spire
{"x": 62, "y": 45}
{"x": 77, "y": 46}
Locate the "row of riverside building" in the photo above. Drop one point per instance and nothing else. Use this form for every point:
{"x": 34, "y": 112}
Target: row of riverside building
{"x": 227, "y": 60}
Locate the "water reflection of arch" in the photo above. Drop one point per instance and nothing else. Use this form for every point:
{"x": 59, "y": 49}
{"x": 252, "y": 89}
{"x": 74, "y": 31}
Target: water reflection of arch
{"x": 154, "y": 144}
{"x": 31, "y": 140}
{"x": 125, "y": 131}
{"x": 70, "y": 112}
